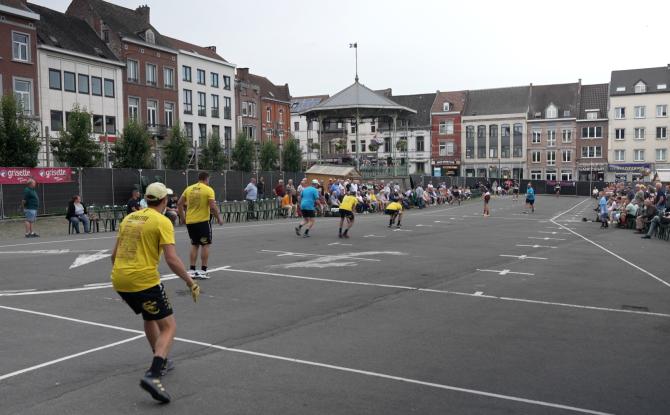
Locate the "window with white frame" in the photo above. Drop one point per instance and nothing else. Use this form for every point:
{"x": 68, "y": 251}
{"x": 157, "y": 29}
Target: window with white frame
{"x": 566, "y": 134}
{"x": 620, "y": 113}
{"x": 168, "y": 77}
{"x": 551, "y": 138}
{"x": 619, "y": 133}
{"x": 639, "y": 133}
{"x": 536, "y": 174}
{"x": 661, "y": 154}
{"x": 443, "y": 148}
{"x": 446, "y": 106}
{"x": 535, "y": 156}
{"x": 23, "y": 92}
{"x": 640, "y": 87}
{"x": 620, "y": 155}
{"x": 20, "y": 47}
{"x": 551, "y": 112}
{"x": 567, "y": 156}
{"x": 151, "y": 74}
{"x": 152, "y": 108}
{"x": 592, "y": 132}
{"x": 551, "y": 175}
{"x": 150, "y": 36}
{"x": 661, "y": 133}
{"x": 281, "y": 116}
{"x": 537, "y": 137}
{"x": 640, "y": 111}
{"x": 662, "y": 86}
{"x": 268, "y": 114}
{"x": 621, "y": 89}
{"x": 132, "y": 70}
{"x": 661, "y": 111}
{"x": 169, "y": 114}
{"x": 450, "y": 148}
{"x": 133, "y": 108}
{"x": 591, "y": 115}
{"x": 566, "y": 175}
{"x": 551, "y": 158}
{"x": 639, "y": 154}
{"x": 447, "y": 127}
{"x": 589, "y": 152}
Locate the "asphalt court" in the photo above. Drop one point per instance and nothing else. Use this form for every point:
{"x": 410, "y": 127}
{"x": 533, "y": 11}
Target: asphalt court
{"x": 453, "y": 313}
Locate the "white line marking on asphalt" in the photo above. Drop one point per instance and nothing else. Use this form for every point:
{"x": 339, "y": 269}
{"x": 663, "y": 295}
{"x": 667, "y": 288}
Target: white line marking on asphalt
{"x": 420, "y": 225}
{"x": 555, "y": 233}
{"x": 637, "y": 267}
{"x": 339, "y": 243}
{"x": 478, "y": 293}
{"x": 333, "y": 367}
{"x": 88, "y": 258}
{"x": 72, "y": 356}
{"x": 522, "y": 257}
{"x": 537, "y": 246}
{"x": 17, "y": 291}
{"x": 402, "y": 230}
{"x": 546, "y": 238}
{"x": 40, "y": 252}
{"x": 374, "y": 236}
{"x": 354, "y": 255}
{"x": 504, "y": 271}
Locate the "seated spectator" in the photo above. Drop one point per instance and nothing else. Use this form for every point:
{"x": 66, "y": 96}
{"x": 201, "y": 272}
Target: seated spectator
{"x": 655, "y": 222}
{"x": 648, "y": 213}
{"x": 171, "y": 209}
{"x": 76, "y": 212}
{"x": 287, "y": 205}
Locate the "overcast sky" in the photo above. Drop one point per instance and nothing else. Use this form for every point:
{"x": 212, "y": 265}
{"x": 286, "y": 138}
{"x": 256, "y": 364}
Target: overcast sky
{"x": 420, "y": 46}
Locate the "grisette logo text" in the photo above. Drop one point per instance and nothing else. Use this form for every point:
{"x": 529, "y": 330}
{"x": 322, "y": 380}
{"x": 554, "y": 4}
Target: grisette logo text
{"x": 55, "y": 173}
{"x": 12, "y": 173}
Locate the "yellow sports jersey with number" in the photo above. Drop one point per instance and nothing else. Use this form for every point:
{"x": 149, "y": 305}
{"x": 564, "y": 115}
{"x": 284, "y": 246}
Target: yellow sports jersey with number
{"x": 197, "y": 198}
{"x": 139, "y": 249}
{"x": 348, "y": 203}
{"x": 394, "y": 206}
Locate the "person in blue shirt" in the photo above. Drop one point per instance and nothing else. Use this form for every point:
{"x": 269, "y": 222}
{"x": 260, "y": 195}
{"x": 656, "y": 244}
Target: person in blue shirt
{"x": 602, "y": 205}
{"x": 530, "y": 198}
{"x": 308, "y": 200}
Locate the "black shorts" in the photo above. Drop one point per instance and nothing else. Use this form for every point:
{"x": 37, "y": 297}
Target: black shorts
{"x": 516, "y": 191}
{"x": 152, "y": 302}
{"x": 306, "y": 213}
{"x": 530, "y": 201}
{"x": 346, "y": 214}
{"x": 391, "y": 212}
{"x": 200, "y": 233}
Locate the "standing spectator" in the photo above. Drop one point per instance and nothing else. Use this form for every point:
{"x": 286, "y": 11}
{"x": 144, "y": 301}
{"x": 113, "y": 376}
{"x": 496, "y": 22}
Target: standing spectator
{"x": 133, "y": 204}
{"x": 76, "y": 212}
{"x": 661, "y": 199}
{"x": 602, "y": 205}
{"x": 251, "y": 194}
{"x": 419, "y": 196}
{"x": 260, "y": 186}
{"x": 279, "y": 191}
{"x": 171, "y": 207}
{"x": 30, "y": 205}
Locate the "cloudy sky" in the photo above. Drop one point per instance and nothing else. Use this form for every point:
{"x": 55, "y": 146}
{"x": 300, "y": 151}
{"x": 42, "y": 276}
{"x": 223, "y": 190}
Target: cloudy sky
{"x": 418, "y": 46}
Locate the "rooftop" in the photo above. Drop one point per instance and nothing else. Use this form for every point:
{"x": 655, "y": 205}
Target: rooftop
{"x": 510, "y": 100}
{"x": 623, "y": 82}
{"x": 198, "y": 50}
{"x": 594, "y": 97}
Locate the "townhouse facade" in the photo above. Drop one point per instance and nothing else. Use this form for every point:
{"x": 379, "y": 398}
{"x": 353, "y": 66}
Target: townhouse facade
{"x": 207, "y": 106}
{"x": 551, "y": 138}
{"x": 76, "y": 69}
{"x": 493, "y": 133}
{"x": 150, "y": 82}
{"x": 247, "y": 104}
{"x": 592, "y": 132}
{"x": 306, "y": 132}
{"x": 18, "y": 55}
{"x": 638, "y": 123}
{"x": 445, "y": 143}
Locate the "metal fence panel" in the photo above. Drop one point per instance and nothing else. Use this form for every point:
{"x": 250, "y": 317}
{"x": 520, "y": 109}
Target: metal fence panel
{"x": 97, "y": 187}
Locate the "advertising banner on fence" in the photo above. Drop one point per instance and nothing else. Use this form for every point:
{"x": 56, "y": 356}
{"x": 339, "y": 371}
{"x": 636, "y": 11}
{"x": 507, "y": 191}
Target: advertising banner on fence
{"x": 20, "y": 175}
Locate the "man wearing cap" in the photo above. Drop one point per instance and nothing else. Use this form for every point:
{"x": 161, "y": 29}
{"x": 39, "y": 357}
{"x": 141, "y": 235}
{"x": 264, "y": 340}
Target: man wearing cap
{"x": 308, "y": 198}
{"x": 143, "y": 235}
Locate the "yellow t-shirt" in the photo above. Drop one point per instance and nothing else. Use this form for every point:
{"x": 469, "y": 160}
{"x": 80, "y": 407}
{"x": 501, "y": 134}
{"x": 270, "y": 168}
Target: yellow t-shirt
{"x": 197, "y": 198}
{"x": 348, "y": 203}
{"x": 394, "y": 206}
{"x": 141, "y": 236}
{"x": 373, "y": 198}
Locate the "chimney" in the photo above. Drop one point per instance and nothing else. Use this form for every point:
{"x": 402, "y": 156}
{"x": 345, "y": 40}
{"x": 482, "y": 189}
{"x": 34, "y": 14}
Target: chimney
{"x": 580, "y": 81}
{"x": 212, "y": 48}
{"x": 143, "y": 11}
{"x": 242, "y": 73}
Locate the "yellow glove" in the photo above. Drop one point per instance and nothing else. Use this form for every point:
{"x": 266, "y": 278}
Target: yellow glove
{"x": 195, "y": 292}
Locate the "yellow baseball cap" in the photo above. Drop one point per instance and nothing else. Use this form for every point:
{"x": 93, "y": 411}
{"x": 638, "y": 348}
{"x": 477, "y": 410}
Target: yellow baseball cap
{"x": 156, "y": 191}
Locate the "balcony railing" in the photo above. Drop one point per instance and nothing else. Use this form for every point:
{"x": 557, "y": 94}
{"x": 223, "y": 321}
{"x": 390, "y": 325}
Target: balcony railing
{"x": 202, "y": 112}
{"x": 371, "y": 172}
{"x": 158, "y": 130}
{"x": 215, "y": 113}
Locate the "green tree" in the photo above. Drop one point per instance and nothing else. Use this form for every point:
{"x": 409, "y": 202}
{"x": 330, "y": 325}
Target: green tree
{"x": 243, "y": 153}
{"x": 269, "y": 155}
{"x": 292, "y": 155}
{"x": 176, "y": 149}
{"x": 212, "y": 155}
{"x": 19, "y": 136}
{"x": 133, "y": 149}
{"x": 74, "y": 146}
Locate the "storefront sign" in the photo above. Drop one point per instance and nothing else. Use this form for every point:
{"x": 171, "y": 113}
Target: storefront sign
{"x": 629, "y": 167}
{"x": 20, "y": 175}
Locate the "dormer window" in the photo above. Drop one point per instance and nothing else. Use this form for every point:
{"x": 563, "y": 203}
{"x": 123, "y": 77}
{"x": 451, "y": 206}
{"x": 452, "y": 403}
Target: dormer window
{"x": 446, "y": 106}
{"x": 591, "y": 115}
{"x": 150, "y": 37}
{"x": 551, "y": 112}
{"x": 640, "y": 88}
{"x": 621, "y": 89}
{"x": 662, "y": 86}
{"x": 105, "y": 35}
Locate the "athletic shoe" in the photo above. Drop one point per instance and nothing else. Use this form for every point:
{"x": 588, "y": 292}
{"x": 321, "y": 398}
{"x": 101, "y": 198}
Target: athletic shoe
{"x": 306, "y": 235}
{"x": 340, "y": 236}
{"x": 34, "y": 235}
{"x": 200, "y": 275}
{"x": 167, "y": 367}
{"x": 28, "y": 235}
{"x": 646, "y": 237}
{"x": 345, "y": 236}
{"x": 155, "y": 388}
{"x": 297, "y": 231}
{"x": 390, "y": 226}
{"x": 398, "y": 225}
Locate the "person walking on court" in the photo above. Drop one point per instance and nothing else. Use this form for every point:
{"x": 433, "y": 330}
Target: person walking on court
{"x": 394, "y": 210}
{"x": 31, "y": 203}
{"x": 487, "y": 199}
{"x": 530, "y": 198}
{"x": 143, "y": 235}
{"x": 200, "y": 202}
{"x": 308, "y": 199}
{"x": 250, "y": 195}
{"x": 347, "y": 207}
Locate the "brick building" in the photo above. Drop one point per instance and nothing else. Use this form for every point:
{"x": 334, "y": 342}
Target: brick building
{"x": 271, "y": 115}
{"x": 445, "y": 146}
{"x": 592, "y": 134}
{"x": 18, "y": 54}
{"x": 150, "y": 78}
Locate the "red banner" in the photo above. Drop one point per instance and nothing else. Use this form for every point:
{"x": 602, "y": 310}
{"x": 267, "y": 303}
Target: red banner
{"x": 20, "y": 175}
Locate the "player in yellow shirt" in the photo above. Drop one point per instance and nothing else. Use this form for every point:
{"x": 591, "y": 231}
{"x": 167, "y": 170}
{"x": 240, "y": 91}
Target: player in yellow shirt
{"x": 347, "y": 206}
{"x": 143, "y": 235}
{"x": 200, "y": 202}
{"x": 394, "y": 209}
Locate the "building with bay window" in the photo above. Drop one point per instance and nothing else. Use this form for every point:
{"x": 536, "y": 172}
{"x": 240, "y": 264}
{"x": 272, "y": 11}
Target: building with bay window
{"x": 493, "y": 133}
{"x": 592, "y": 132}
{"x": 446, "y": 132}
